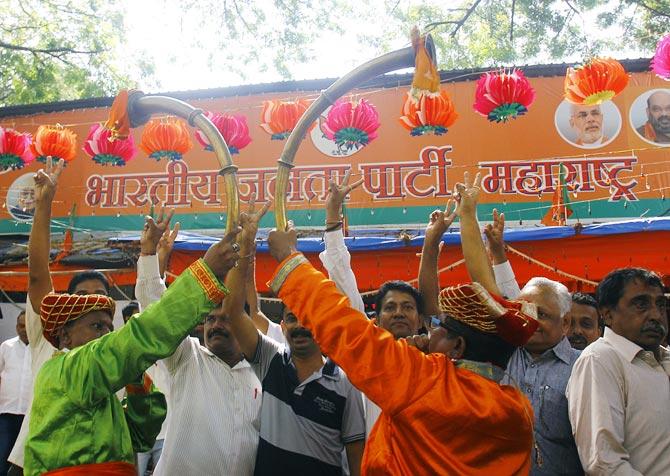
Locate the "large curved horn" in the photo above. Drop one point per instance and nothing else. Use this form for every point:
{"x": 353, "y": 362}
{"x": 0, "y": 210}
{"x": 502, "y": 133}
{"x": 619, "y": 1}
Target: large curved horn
{"x": 140, "y": 109}
{"x": 392, "y": 61}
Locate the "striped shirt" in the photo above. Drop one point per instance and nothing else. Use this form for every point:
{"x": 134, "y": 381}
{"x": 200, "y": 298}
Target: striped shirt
{"x": 213, "y": 418}
{"x": 304, "y": 425}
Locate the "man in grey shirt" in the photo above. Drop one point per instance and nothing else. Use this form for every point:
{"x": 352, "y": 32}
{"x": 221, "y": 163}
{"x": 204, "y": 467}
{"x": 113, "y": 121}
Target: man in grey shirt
{"x": 541, "y": 369}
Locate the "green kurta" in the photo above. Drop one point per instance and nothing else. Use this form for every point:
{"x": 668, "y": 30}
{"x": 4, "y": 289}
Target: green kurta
{"x": 76, "y": 417}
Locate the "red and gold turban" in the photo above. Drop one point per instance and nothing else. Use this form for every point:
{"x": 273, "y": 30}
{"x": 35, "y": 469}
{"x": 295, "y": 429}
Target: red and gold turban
{"x": 472, "y": 305}
{"x": 57, "y": 310}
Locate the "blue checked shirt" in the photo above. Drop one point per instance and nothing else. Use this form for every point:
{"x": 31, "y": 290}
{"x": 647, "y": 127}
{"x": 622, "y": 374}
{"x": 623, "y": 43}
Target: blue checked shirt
{"x": 543, "y": 381}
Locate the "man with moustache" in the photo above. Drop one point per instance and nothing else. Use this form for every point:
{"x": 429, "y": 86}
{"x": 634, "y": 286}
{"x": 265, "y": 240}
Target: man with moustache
{"x": 200, "y": 378}
{"x": 587, "y": 122}
{"x": 585, "y": 325}
{"x": 619, "y": 389}
{"x": 657, "y": 127}
{"x": 311, "y": 412}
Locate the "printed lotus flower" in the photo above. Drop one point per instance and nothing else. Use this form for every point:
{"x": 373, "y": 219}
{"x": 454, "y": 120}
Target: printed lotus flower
{"x": 15, "y": 150}
{"x": 168, "y": 138}
{"x": 351, "y": 125}
{"x": 279, "y": 118}
{"x": 432, "y": 113}
{"x": 660, "y": 64}
{"x": 599, "y": 80}
{"x": 104, "y": 149}
{"x": 55, "y": 141}
{"x": 233, "y": 128}
{"x": 501, "y": 96}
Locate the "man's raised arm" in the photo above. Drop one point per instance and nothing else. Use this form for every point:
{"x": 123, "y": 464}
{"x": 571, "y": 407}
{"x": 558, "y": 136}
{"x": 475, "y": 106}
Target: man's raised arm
{"x": 336, "y": 258}
{"x": 39, "y": 246}
{"x": 429, "y": 281}
{"x": 474, "y": 252}
{"x": 243, "y": 328}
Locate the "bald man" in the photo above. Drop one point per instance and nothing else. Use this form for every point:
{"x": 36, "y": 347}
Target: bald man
{"x": 657, "y": 127}
{"x": 587, "y": 122}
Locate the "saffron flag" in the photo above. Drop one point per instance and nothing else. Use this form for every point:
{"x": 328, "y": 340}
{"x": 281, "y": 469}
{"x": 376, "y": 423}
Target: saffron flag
{"x": 560, "y": 209}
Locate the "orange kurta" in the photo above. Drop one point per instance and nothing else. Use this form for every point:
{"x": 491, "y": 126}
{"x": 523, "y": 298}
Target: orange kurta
{"x": 436, "y": 419}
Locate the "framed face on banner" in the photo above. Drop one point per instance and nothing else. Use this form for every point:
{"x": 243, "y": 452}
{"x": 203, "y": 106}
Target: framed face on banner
{"x": 650, "y": 117}
{"x": 588, "y": 127}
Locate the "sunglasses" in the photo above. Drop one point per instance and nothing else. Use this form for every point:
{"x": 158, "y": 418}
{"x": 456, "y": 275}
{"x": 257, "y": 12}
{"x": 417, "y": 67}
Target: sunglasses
{"x": 434, "y": 322}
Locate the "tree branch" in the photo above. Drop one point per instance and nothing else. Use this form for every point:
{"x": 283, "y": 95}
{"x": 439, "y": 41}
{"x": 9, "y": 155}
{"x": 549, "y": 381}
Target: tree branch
{"x": 50, "y": 51}
{"x": 511, "y": 23}
{"x": 650, "y": 8}
{"x": 462, "y": 21}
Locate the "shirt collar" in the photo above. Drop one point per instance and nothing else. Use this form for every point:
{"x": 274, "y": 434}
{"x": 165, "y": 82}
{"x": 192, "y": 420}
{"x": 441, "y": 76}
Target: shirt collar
{"x": 626, "y": 348}
{"x": 240, "y": 365}
{"x": 329, "y": 370}
{"x": 563, "y": 351}
{"x": 486, "y": 370}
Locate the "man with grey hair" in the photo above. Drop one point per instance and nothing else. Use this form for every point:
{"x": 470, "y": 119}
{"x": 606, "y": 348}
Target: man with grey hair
{"x": 587, "y": 123}
{"x": 542, "y": 367}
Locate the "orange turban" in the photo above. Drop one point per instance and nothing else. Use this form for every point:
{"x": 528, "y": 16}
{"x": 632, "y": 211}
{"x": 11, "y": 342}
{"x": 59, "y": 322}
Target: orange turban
{"x": 472, "y": 305}
{"x": 57, "y": 310}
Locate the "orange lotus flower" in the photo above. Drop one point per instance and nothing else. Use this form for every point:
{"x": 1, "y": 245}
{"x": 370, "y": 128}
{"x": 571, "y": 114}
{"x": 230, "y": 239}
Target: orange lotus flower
{"x": 597, "y": 81}
{"x": 168, "y": 138}
{"x": 278, "y": 118}
{"x": 55, "y": 141}
{"x": 431, "y": 113}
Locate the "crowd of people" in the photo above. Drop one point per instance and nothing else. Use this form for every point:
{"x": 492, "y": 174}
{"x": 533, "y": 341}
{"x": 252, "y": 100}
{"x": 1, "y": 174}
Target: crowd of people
{"x": 480, "y": 378}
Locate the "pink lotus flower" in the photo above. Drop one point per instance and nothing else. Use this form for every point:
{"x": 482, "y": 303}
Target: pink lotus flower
{"x": 15, "y": 150}
{"x": 351, "y": 125}
{"x": 105, "y": 150}
{"x": 233, "y": 128}
{"x": 501, "y": 96}
{"x": 660, "y": 63}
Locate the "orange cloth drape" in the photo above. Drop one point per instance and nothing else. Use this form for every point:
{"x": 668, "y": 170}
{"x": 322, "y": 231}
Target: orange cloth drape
{"x": 436, "y": 419}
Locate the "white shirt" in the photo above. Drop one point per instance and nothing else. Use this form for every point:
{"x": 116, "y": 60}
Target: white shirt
{"x": 213, "y": 418}
{"x": 275, "y": 333}
{"x": 506, "y": 281}
{"x": 619, "y": 407}
{"x": 16, "y": 378}
{"x": 337, "y": 261}
{"x": 160, "y": 378}
{"x": 41, "y": 350}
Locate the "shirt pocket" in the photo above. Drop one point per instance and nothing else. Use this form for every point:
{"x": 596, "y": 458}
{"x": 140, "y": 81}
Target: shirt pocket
{"x": 553, "y": 421}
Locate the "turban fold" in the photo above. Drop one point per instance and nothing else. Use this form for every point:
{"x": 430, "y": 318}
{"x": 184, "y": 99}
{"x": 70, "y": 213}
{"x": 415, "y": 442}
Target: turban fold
{"x": 57, "y": 310}
{"x": 474, "y": 306}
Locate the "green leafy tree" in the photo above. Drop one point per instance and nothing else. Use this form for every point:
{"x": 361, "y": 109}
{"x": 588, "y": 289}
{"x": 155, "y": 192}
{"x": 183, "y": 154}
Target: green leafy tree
{"x": 55, "y": 50}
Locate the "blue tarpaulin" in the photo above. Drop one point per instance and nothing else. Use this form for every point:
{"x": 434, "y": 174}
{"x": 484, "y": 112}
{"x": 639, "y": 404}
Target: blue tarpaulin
{"x": 189, "y": 241}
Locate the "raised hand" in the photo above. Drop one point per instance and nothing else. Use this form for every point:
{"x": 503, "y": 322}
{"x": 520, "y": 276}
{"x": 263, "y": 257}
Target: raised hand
{"x": 336, "y": 196}
{"x": 440, "y": 221}
{"x": 165, "y": 246}
{"x": 153, "y": 231}
{"x": 282, "y": 244}
{"x": 495, "y": 237}
{"x": 249, "y": 222}
{"x": 46, "y": 180}
{"x": 222, "y": 256}
{"x": 467, "y": 195}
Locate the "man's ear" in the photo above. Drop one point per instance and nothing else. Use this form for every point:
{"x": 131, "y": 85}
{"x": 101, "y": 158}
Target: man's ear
{"x": 283, "y": 326}
{"x": 64, "y": 338}
{"x": 606, "y": 315}
{"x": 459, "y": 349}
